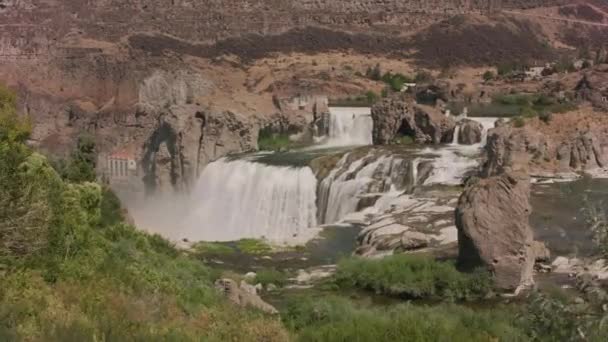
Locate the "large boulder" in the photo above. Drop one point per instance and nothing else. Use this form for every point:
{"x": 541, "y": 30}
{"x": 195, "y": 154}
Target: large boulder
{"x": 469, "y": 132}
{"x": 244, "y": 295}
{"x": 395, "y": 117}
{"x": 494, "y": 232}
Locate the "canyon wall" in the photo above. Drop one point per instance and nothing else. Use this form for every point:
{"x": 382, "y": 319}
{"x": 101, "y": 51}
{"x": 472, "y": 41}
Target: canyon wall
{"x": 141, "y": 76}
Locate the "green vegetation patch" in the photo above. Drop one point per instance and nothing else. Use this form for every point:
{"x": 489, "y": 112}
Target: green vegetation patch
{"x": 274, "y": 142}
{"x": 253, "y": 246}
{"x": 412, "y": 276}
{"x": 338, "y": 319}
{"x": 213, "y": 248}
{"x": 270, "y": 276}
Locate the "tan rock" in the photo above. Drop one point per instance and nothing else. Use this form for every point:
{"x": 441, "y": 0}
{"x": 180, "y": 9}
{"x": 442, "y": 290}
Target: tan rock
{"x": 493, "y": 230}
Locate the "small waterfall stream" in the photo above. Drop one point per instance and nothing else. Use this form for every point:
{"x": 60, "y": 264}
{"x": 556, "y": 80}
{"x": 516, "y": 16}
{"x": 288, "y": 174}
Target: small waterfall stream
{"x": 349, "y": 126}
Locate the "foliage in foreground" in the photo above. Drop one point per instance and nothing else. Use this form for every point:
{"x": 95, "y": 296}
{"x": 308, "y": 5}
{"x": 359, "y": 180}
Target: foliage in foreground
{"x": 333, "y": 318}
{"x": 412, "y": 276}
{"x": 72, "y": 270}
{"x": 338, "y": 319}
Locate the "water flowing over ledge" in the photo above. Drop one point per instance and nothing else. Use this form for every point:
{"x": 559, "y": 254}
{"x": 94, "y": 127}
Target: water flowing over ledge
{"x": 239, "y": 199}
{"x": 349, "y": 126}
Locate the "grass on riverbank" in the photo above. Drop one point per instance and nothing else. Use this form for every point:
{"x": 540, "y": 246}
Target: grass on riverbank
{"x": 412, "y": 276}
{"x": 338, "y": 319}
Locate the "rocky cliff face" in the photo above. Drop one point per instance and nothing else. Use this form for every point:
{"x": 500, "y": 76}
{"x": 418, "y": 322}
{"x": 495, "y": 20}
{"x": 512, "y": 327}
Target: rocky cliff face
{"x": 493, "y": 230}
{"x": 150, "y": 76}
{"x": 570, "y": 142}
{"x": 397, "y": 117}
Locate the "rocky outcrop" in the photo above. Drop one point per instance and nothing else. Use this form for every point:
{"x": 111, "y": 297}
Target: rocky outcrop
{"x": 415, "y": 224}
{"x": 185, "y": 140}
{"x": 396, "y": 117}
{"x": 513, "y": 149}
{"x": 244, "y": 295}
{"x": 593, "y": 87}
{"x": 528, "y": 149}
{"x": 582, "y": 151}
{"x": 469, "y": 132}
{"x": 494, "y": 232}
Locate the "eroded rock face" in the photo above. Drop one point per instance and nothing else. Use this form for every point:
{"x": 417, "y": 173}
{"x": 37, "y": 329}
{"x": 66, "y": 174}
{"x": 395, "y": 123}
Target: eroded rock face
{"x": 528, "y": 150}
{"x": 512, "y": 149}
{"x": 494, "y": 232}
{"x": 396, "y": 117}
{"x": 470, "y": 132}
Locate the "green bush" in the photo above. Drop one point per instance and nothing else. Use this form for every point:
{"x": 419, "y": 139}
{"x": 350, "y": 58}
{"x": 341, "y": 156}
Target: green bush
{"x": 412, "y": 276}
{"x": 73, "y": 271}
{"x": 548, "y": 318}
{"x": 527, "y": 112}
{"x": 519, "y": 122}
{"x": 403, "y": 140}
{"x": 212, "y": 249}
{"x": 337, "y": 319}
{"x": 545, "y": 117}
{"x": 274, "y": 142}
{"x": 270, "y": 276}
{"x": 253, "y": 246}
{"x": 488, "y": 76}
{"x": 371, "y": 97}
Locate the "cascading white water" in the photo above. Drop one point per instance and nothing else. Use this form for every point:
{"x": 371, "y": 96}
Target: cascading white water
{"x": 487, "y": 123}
{"x": 349, "y": 126}
{"x": 243, "y": 199}
{"x": 343, "y": 190}
{"x": 451, "y": 163}
{"x": 456, "y": 135}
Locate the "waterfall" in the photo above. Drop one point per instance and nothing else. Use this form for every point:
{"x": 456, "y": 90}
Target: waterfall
{"x": 349, "y": 126}
{"x": 456, "y": 135}
{"x": 243, "y": 199}
{"x": 487, "y": 123}
{"x": 358, "y": 184}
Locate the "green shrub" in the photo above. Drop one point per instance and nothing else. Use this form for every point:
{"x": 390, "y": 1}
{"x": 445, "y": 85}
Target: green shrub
{"x": 412, "y": 276}
{"x": 253, "y": 246}
{"x": 519, "y": 122}
{"x": 527, "y": 112}
{"x": 371, "y": 97}
{"x": 274, "y": 142}
{"x": 213, "y": 248}
{"x": 545, "y": 117}
{"x": 337, "y": 319}
{"x": 548, "y": 318}
{"x": 488, "y": 76}
{"x": 270, "y": 276}
{"x": 374, "y": 73}
{"x": 403, "y": 140}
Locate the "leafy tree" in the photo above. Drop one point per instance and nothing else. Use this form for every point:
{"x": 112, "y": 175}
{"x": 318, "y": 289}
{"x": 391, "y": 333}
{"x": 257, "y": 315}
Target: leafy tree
{"x": 488, "y": 76}
{"x": 27, "y": 184}
{"x": 81, "y": 165}
{"x": 374, "y": 73}
{"x": 371, "y": 97}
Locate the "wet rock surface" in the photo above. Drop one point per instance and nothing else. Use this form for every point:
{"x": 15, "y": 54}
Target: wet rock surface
{"x": 469, "y": 132}
{"x": 410, "y": 224}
